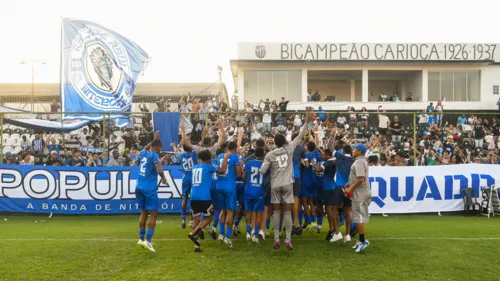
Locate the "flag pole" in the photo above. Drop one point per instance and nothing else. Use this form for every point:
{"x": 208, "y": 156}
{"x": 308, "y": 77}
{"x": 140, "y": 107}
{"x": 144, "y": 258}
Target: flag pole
{"x": 61, "y": 69}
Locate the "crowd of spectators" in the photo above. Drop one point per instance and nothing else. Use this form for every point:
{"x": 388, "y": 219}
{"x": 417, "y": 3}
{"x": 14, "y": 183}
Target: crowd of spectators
{"x": 438, "y": 138}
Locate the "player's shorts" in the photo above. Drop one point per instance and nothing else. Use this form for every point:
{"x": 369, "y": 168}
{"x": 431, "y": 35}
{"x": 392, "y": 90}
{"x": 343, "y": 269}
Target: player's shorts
{"x": 147, "y": 199}
{"x": 240, "y": 191}
{"x": 318, "y": 191}
{"x": 254, "y": 205}
{"x": 215, "y": 198}
{"x": 282, "y": 194}
{"x": 360, "y": 212}
{"x": 328, "y": 197}
{"x": 186, "y": 187}
{"x": 227, "y": 199}
{"x": 346, "y": 202}
{"x": 204, "y": 207}
{"x": 308, "y": 188}
{"x": 297, "y": 187}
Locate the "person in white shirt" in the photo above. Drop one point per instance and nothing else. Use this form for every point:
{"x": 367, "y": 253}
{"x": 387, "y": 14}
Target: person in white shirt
{"x": 383, "y": 123}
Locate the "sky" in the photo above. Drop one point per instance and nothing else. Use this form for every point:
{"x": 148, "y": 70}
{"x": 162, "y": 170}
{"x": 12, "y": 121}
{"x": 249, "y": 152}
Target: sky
{"x": 188, "y": 39}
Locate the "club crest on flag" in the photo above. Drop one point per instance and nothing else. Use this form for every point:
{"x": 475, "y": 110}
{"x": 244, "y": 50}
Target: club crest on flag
{"x": 99, "y": 70}
{"x": 260, "y": 51}
{"x": 98, "y": 62}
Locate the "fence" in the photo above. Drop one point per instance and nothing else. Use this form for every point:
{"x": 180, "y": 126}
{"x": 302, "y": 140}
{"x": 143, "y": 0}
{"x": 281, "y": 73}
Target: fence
{"x": 408, "y": 143}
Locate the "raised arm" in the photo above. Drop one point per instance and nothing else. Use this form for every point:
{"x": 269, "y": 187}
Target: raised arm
{"x": 223, "y": 167}
{"x": 157, "y": 137}
{"x": 303, "y": 131}
{"x": 222, "y": 133}
{"x": 331, "y": 140}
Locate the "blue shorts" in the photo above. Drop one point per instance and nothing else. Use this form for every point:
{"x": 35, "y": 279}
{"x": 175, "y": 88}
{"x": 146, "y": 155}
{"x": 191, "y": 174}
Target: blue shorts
{"x": 186, "y": 187}
{"x": 227, "y": 199}
{"x": 240, "y": 191}
{"x": 254, "y": 205}
{"x": 308, "y": 188}
{"x": 215, "y": 198}
{"x": 147, "y": 199}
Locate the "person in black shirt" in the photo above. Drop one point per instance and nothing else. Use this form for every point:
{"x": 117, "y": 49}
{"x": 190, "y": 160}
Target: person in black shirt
{"x": 143, "y": 138}
{"x": 283, "y": 104}
{"x": 495, "y": 129}
{"x": 53, "y": 161}
{"x": 316, "y": 96}
{"x": 130, "y": 139}
{"x": 395, "y": 129}
{"x": 478, "y": 134}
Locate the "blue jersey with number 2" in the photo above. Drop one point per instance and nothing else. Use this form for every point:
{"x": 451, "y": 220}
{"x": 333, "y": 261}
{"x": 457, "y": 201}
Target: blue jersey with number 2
{"x": 202, "y": 181}
{"x": 227, "y": 181}
{"x": 148, "y": 175}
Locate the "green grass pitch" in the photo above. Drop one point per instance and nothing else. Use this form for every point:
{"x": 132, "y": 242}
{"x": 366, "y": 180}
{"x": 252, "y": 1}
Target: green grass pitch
{"x": 403, "y": 247}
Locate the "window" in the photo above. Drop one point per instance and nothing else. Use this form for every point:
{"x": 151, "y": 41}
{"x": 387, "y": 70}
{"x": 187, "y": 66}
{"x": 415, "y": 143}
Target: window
{"x": 272, "y": 85}
{"x": 454, "y": 86}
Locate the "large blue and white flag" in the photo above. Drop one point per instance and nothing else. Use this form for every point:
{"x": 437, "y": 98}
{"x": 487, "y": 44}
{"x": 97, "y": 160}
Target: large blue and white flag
{"x": 99, "y": 70}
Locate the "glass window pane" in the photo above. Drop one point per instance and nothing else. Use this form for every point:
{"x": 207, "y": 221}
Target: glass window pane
{"x": 280, "y": 85}
{"x": 265, "y": 84}
{"x": 434, "y": 86}
{"x": 447, "y": 86}
{"x": 459, "y": 86}
{"x": 294, "y": 85}
{"x": 251, "y": 86}
{"x": 473, "y": 86}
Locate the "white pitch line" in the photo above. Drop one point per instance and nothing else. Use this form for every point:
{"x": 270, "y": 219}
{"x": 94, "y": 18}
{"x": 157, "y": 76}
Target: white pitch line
{"x": 305, "y": 239}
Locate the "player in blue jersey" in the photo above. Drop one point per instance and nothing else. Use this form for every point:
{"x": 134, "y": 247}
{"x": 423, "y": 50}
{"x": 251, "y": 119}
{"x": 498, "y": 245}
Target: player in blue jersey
{"x": 188, "y": 160}
{"x": 308, "y": 186}
{"x": 201, "y": 200}
{"x": 254, "y": 194}
{"x": 146, "y": 190}
{"x": 344, "y": 164}
{"x": 318, "y": 189}
{"x": 213, "y": 194}
{"x": 299, "y": 158}
{"x": 229, "y": 169}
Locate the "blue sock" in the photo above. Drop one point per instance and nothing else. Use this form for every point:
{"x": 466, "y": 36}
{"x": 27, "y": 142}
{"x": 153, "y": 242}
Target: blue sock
{"x": 320, "y": 220}
{"x": 222, "y": 227}
{"x": 301, "y": 217}
{"x": 237, "y": 221}
{"x": 249, "y": 229}
{"x": 268, "y": 224}
{"x": 149, "y": 234}
{"x": 313, "y": 218}
{"x": 216, "y": 217}
{"x": 342, "y": 218}
{"x": 256, "y": 230}
{"x": 183, "y": 215}
{"x": 142, "y": 232}
{"x": 353, "y": 226}
{"x": 281, "y": 225}
{"x": 229, "y": 232}
{"x": 201, "y": 218}
{"x": 309, "y": 219}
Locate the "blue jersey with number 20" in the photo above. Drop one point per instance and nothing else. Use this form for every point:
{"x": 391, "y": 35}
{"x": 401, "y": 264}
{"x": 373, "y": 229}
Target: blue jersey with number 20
{"x": 202, "y": 181}
{"x": 148, "y": 175}
{"x": 188, "y": 160}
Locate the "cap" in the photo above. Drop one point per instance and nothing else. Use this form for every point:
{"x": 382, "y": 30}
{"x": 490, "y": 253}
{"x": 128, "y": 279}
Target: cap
{"x": 361, "y": 147}
{"x": 8, "y": 154}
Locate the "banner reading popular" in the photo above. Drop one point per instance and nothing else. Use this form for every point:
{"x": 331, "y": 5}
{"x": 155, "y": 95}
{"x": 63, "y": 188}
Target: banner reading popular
{"x": 81, "y": 190}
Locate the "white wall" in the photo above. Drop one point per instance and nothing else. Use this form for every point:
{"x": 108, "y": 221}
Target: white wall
{"x": 413, "y": 85}
{"x": 490, "y": 75}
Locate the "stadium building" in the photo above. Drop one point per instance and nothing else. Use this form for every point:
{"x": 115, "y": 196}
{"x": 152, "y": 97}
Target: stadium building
{"x": 20, "y": 95}
{"x": 464, "y": 76}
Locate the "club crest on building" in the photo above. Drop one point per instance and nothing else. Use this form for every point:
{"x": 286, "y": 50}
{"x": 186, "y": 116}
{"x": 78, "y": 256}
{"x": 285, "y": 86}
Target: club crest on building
{"x": 99, "y": 64}
{"x": 260, "y": 51}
